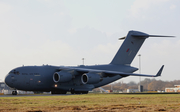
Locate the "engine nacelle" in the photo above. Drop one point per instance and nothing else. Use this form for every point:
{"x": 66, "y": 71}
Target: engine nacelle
{"x": 90, "y": 78}
{"x": 62, "y": 76}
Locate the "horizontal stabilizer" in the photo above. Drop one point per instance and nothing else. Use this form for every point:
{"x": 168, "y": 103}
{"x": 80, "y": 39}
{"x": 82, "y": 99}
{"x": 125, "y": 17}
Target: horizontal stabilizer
{"x": 122, "y": 38}
{"x": 146, "y": 35}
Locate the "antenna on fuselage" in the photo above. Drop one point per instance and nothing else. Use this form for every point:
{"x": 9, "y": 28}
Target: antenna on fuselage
{"x": 82, "y": 61}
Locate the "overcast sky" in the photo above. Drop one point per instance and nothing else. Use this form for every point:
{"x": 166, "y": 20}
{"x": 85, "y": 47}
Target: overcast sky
{"x": 62, "y": 32}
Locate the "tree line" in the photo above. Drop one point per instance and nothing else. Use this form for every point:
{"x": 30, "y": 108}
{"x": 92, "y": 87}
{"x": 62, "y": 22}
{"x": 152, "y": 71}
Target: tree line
{"x": 148, "y": 85}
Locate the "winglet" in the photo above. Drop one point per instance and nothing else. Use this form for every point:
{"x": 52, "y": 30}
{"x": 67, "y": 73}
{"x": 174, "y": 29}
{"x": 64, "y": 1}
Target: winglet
{"x": 159, "y": 72}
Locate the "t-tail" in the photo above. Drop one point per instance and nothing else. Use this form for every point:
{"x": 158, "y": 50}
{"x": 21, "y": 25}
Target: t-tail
{"x": 131, "y": 45}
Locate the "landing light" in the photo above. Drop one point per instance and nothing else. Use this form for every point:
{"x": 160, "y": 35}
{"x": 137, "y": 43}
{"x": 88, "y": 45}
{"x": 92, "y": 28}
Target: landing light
{"x": 55, "y": 85}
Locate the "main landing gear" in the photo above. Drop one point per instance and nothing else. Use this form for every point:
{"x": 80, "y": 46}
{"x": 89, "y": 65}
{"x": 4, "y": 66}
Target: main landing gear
{"x": 72, "y": 92}
{"x": 58, "y": 92}
{"x": 79, "y": 92}
{"x": 14, "y": 92}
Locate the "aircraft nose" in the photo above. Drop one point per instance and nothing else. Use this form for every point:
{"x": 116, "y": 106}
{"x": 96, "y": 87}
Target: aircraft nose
{"x": 8, "y": 80}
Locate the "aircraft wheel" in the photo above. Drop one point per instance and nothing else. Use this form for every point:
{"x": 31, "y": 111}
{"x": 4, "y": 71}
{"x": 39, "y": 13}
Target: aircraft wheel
{"x": 77, "y": 92}
{"x": 84, "y": 92}
{"x": 58, "y": 92}
{"x": 72, "y": 91}
{"x": 62, "y": 92}
{"x": 14, "y": 92}
{"x": 52, "y": 92}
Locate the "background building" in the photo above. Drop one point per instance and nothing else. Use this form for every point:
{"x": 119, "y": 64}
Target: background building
{"x": 175, "y": 89}
{"x": 5, "y": 89}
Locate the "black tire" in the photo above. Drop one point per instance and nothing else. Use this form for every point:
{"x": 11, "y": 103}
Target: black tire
{"x": 52, "y": 92}
{"x": 77, "y": 92}
{"x": 84, "y": 92}
{"x": 14, "y": 92}
{"x": 62, "y": 92}
{"x": 58, "y": 92}
{"x": 72, "y": 92}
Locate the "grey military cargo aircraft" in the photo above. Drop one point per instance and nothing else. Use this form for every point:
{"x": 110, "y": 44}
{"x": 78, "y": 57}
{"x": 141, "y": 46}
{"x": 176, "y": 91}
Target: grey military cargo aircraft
{"x": 80, "y": 79}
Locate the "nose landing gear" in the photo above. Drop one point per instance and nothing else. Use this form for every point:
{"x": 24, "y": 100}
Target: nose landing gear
{"x": 14, "y": 92}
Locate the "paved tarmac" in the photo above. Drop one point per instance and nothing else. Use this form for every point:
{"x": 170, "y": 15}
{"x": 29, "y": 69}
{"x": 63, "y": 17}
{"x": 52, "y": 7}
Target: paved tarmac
{"x": 28, "y": 95}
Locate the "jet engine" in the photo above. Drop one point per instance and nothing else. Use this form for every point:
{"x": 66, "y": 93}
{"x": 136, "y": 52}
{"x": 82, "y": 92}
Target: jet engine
{"x": 62, "y": 76}
{"x": 90, "y": 78}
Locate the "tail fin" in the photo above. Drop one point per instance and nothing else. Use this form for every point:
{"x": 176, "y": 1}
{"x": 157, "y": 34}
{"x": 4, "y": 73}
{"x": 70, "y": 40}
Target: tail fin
{"x": 131, "y": 45}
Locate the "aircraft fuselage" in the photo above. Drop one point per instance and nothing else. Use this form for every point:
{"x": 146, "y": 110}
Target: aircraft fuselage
{"x": 40, "y": 78}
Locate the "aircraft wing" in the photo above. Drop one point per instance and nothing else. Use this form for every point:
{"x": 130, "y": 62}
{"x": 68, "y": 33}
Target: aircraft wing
{"x": 135, "y": 74}
{"x": 86, "y": 70}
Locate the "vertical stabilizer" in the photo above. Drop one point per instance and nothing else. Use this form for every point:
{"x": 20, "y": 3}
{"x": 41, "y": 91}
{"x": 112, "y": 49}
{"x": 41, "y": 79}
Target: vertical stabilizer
{"x": 129, "y": 48}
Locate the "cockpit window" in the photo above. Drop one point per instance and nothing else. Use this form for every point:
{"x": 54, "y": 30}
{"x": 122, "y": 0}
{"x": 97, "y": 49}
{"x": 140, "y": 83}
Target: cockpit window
{"x": 14, "y": 72}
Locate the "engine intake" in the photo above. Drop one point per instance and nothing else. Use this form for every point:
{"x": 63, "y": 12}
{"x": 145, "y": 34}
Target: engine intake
{"x": 62, "y": 76}
{"x": 90, "y": 78}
